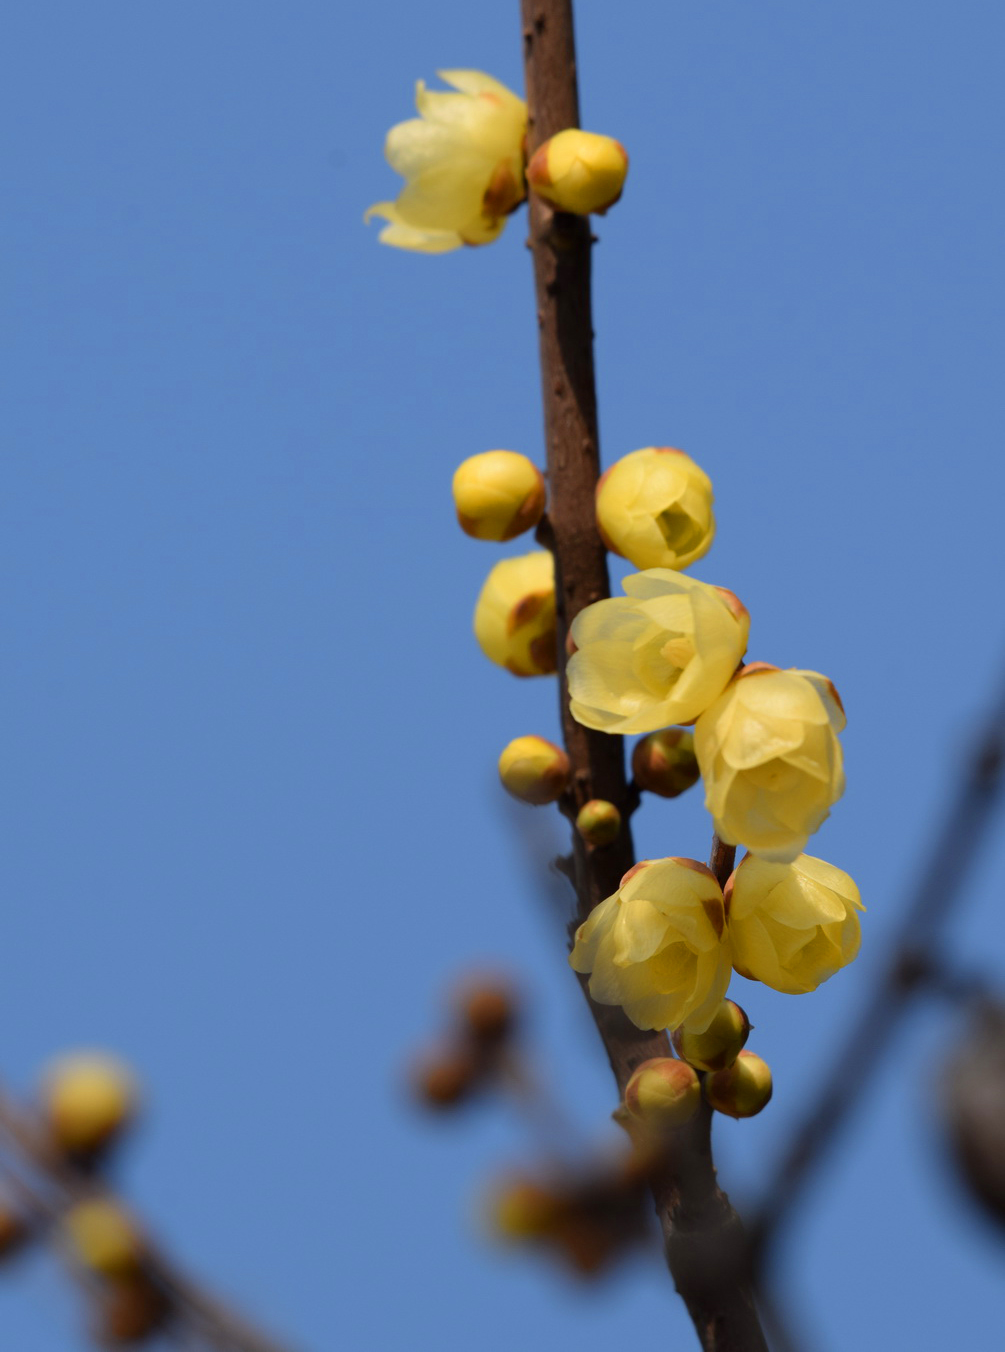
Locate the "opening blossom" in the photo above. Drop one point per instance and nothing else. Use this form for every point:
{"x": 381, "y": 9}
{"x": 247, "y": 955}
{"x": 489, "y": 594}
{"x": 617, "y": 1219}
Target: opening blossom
{"x": 463, "y": 162}
{"x": 771, "y": 760}
{"x": 661, "y": 655}
{"x": 515, "y": 615}
{"x": 658, "y": 947}
{"x": 654, "y": 508}
{"x": 792, "y": 925}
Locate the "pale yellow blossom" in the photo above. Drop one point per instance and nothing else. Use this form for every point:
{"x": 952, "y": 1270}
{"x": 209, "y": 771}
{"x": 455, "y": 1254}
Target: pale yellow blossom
{"x": 792, "y": 925}
{"x": 515, "y": 615}
{"x": 579, "y": 171}
{"x": 771, "y": 760}
{"x": 654, "y": 507}
{"x": 658, "y": 947}
{"x": 660, "y": 655}
{"x": 463, "y": 162}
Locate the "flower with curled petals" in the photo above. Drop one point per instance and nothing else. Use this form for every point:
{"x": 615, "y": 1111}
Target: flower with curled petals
{"x": 660, "y": 655}
{"x": 792, "y": 925}
{"x": 463, "y": 162}
{"x": 659, "y": 946}
{"x": 770, "y": 758}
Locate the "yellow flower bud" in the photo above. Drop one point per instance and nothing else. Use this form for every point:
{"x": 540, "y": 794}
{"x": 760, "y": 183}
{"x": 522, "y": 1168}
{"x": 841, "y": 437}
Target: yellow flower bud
{"x": 665, "y": 763}
{"x": 722, "y": 1041}
{"x": 462, "y": 159}
{"x": 654, "y": 507}
{"x": 658, "y": 947}
{"x": 662, "y": 1094}
{"x": 534, "y": 770}
{"x": 579, "y": 171}
{"x": 662, "y": 654}
{"x": 792, "y": 925}
{"x": 523, "y": 1209}
{"x": 103, "y": 1238}
{"x": 771, "y": 760}
{"x": 498, "y": 495}
{"x": 598, "y": 822}
{"x": 743, "y": 1089}
{"x": 515, "y": 615}
{"x": 88, "y": 1098}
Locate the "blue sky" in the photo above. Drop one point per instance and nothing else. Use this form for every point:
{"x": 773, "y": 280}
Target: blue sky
{"x": 248, "y": 779}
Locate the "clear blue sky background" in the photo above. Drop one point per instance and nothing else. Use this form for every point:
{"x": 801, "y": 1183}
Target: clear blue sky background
{"x": 248, "y": 775}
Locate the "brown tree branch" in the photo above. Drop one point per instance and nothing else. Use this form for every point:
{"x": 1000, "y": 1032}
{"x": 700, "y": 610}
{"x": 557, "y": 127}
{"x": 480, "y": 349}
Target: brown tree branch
{"x": 915, "y": 964}
{"x": 704, "y": 1239}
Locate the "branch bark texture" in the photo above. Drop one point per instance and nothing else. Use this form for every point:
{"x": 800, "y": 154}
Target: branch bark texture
{"x": 704, "y": 1239}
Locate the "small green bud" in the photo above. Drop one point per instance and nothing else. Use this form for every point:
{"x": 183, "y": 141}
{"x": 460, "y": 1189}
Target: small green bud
{"x": 742, "y": 1090}
{"x": 721, "y": 1042}
{"x": 665, "y": 763}
{"x": 662, "y": 1094}
{"x": 598, "y": 822}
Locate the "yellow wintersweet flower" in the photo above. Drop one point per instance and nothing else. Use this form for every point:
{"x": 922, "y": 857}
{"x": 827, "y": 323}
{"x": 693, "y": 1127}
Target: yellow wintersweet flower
{"x": 534, "y": 770}
{"x": 515, "y": 615}
{"x": 654, "y": 508}
{"x": 771, "y": 760}
{"x": 792, "y": 925}
{"x": 660, "y": 655}
{"x": 87, "y": 1099}
{"x": 579, "y": 171}
{"x": 498, "y": 495}
{"x": 463, "y": 162}
{"x": 658, "y": 947}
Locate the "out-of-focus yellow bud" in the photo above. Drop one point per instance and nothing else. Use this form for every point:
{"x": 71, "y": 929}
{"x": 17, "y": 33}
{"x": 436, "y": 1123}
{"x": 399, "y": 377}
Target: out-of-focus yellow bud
{"x": 103, "y": 1238}
{"x": 654, "y": 507}
{"x": 662, "y": 654}
{"x": 721, "y": 1042}
{"x": 534, "y": 770}
{"x": 579, "y": 171}
{"x": 462, "y": 159}
{"x": 523, "y": 1209}
{"x": 792, "y": 925}
{"x": 515, "y": 615}
{"x": 665, "y": 763}
{"x": 658, "y": 947}
{"x": 88, "y": 1098}
{"x": 771, "y": 760}
{"x": 662, "y": 1094}
{"x": 598, "y": 822}
{"x": 498, "y": 495}
{"x": 743, "y": 1089}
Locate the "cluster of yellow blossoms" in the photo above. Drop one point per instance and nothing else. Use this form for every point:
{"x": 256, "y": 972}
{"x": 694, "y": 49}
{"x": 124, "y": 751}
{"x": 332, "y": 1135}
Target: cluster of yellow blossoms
{"x": 465, "y": 167}
{"x": 666, "y": 656}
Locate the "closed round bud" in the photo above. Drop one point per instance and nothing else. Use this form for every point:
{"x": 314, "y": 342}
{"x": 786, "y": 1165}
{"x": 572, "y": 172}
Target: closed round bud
{"x": 487, "y": 1010}
{"x": 743, "y": 1089}
{"x": 87, "y": 1099}
{"x": 662, "y": 1094}
{"x": 448, "y": 1079}
{"x": 103, "y": 1238}
{"x": 665, "y": 763}
{"x": 654, "y": 507}
{"x": 515, "y": 615}
{"x": 534, "y": 770}
{"x": 498, "y": 495}
{"x": 522, "y": 1209}
{"x": 598, "y": 822}
{"x": 721, "y": 1042}
{"x": 579, "y": 171}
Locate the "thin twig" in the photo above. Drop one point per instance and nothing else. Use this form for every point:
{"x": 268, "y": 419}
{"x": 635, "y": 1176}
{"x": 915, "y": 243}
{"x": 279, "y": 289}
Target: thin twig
{"x": 915, "y": 955}
{"x": 704, "y": 1240}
